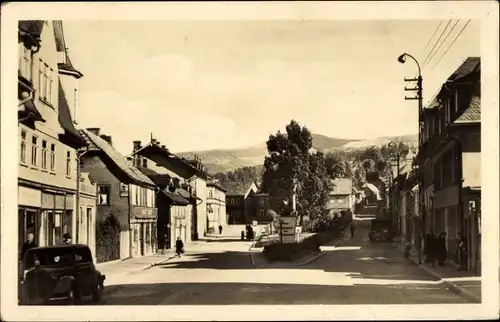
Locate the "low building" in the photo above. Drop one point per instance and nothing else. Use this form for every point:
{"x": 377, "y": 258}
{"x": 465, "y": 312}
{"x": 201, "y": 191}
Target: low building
{"x": 216, "y": 205}
{"x": 125, "y": 200}
{"x": 238, "y": 203}
{"x": 342, "y": 197}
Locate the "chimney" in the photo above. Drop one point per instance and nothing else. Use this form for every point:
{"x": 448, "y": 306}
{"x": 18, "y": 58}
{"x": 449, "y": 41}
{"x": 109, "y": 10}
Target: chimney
{"x": 163, "y": 146}
{"x": 145, "y": 163}
{"x": 94, "y": 130}
{"x": 137, "y": 145}
{"x": 107, "y": 138}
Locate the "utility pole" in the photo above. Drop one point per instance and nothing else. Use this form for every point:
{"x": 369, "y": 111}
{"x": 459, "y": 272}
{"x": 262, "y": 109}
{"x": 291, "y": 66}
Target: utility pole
{"x": 420, "y": 172}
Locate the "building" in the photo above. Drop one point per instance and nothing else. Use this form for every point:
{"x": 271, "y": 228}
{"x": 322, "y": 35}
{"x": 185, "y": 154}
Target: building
{"x": 342, "y": 196}
{"x": 216, "y": 205}
{"x": 372, "y": 193}
{"x": 451, "y": 155}
{"x": 238, "y": 201}
{"x": 189, "y": 176}
{"x": 48, "y": 139}
{"x": 125, "y": 200}
{"x": 174, "y": 211}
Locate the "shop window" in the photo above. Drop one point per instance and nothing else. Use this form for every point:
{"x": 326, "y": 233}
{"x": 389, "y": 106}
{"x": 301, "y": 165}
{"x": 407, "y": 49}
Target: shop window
{"x": 103, "y": 194}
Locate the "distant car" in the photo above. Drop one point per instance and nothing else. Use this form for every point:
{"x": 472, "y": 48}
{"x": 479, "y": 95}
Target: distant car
{"x": 381, "y": 230}
{"x": 59, "y": 274}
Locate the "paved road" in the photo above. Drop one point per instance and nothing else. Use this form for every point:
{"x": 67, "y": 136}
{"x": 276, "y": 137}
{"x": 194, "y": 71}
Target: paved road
{"x": 356, "y": 272}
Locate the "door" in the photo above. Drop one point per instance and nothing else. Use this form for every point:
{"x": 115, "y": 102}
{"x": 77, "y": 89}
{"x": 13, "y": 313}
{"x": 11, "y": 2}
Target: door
{"x": 141, "y": 239}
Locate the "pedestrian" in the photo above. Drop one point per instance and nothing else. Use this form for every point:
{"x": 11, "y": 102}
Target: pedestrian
{"x": 441, "y": 251}
{"x": 28, "y": 244}
{"x": 429, "y": 249}
{"x": 67, "y": 239}
{"x": 179, "y": 247}
{"x": 220, "y": 229}
{"x": 352, "y": 228}
{"x": 462, "y": 252}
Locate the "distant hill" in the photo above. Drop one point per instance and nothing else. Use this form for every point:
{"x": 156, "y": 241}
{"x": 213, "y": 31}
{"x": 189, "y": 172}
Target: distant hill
{"x": 224, "y": 160}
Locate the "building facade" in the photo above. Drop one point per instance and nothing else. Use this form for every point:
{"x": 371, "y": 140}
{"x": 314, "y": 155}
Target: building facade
{"x": 342, "y": 197}
{"x": 188, "y": 177}
{"x": 124, "y": 195}
{"x": 48, "y": 139}
{"x": 238, "y": 203}
{"x": 85, "y": 223}
{"x": 451, "y": 155}
{"x": 216, "y": 205}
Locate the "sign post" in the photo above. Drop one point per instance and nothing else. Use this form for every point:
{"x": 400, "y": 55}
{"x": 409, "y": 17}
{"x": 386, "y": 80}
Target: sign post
{"x": 288, "y": 229}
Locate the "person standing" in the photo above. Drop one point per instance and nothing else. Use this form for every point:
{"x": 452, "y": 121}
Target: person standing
{"x": 462, "y": 252}
{"x": 179, "y": 247}
{"x": 441, "y": 249}
{"x": 67, "y": 239}
{"x": 220, "y": 229}
{"x": 28, "y": 244}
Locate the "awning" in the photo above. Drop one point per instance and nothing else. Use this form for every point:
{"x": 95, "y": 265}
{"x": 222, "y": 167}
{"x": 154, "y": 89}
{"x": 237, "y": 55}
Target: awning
{"x": 175, "y": 198}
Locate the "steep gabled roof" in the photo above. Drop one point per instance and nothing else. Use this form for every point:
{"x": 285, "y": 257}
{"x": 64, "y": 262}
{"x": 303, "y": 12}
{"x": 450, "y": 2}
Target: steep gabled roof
{"x": 237, "y": 188}
{"x": 470, "y": 65}
{"x": 31, "y": 28}
{"x": 472, "y": 113}
{"x": 176, "y": 198}
{"x": 121, "y": 162}
{"x": 65, "y": 116}
{"x": 65, "y": 67}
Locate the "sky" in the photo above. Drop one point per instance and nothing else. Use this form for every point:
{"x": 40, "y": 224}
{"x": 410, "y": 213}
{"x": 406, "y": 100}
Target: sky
{"x": 206, "y": 85}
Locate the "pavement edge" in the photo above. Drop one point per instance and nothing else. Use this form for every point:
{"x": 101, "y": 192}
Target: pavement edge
{"x": 453, "y": 287}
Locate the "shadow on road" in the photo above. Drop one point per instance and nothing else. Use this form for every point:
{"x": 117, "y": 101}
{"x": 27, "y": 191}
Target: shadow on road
{"x": 267, "y": 293}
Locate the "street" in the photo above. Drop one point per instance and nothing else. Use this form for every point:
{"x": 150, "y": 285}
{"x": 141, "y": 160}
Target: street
{"x": 355, "y": 272}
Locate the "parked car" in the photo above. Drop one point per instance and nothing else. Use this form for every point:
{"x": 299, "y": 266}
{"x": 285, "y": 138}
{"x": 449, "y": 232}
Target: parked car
{"x": 381, "y": 230}
{"x": 59, "y": 275}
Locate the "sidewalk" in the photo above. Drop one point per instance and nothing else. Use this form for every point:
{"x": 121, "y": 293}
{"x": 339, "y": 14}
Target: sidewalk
{"x": 258, "y": 259}
{"x": 461, "y": 282}
{"x": 118, "y": 269}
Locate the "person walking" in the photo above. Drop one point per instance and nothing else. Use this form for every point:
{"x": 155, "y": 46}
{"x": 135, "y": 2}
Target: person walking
{"x": 441, "y": 251}
{"x": 179, "y": 247}
{"x": 352, "y": 228}
{"x": 220, "y": 229}
{"x": 429, "y": 249}
{"x": 462, "y": 252}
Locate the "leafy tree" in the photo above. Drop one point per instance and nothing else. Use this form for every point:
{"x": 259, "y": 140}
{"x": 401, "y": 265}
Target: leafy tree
{"x": 290, "y": 160}
{"x": 369, "y": 165}
{"x": 336, "y": 166}
{"x": 359, "y": 177}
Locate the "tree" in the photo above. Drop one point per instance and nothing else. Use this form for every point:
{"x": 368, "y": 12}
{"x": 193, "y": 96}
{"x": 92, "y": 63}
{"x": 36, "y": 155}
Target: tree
{"x": 336, "y": 167}
{"x": 359, "y": 177}
{"x": 290, "y": 161}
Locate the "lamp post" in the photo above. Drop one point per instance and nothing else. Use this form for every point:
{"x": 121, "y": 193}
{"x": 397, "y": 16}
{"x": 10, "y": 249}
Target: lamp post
{"x": 419, "y": 98}
{"x": 398, "y": 157}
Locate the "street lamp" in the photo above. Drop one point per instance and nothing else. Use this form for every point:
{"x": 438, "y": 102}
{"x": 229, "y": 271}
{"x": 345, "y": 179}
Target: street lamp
{"x": 418, "y": 89}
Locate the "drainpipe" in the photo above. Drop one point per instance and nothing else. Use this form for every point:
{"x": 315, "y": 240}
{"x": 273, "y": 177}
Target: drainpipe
{"x": 78, "y": 174}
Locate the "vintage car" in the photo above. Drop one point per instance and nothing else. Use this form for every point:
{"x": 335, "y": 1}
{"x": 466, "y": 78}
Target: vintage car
{"x": 381, "y": 230}
{"x": 59, "y": 274}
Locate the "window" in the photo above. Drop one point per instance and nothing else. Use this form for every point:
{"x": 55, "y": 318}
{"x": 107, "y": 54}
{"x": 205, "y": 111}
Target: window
{"x": 437, "y": 175}
{"x": 68, "y": 163}
{"x": 103, "y": 194}
{"x": 262, "y": 213}
{"x": 448, "y": 168}
{"x": 40, "y": 79}
{"x": 261, "y": 201}
{"x": 455, "y": 106}
{"x": 34, "y": 150}
{"x": 74, "y": 105}
{"x": 45, "y": 82}
{"x": 23, "y": 146}
{"x": 144, "y": 197}
{"x": 52, "y": 157}
{"x": 25, "y": 67}
{"x": 210, "y": 193}
{"x": 44, "y": 154}
{"x": 50, "y": 84}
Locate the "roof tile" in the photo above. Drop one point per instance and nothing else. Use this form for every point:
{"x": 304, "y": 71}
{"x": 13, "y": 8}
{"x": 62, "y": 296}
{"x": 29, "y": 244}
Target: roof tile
{"x": 237, "y": 188}
{"x": 473, "y": 112}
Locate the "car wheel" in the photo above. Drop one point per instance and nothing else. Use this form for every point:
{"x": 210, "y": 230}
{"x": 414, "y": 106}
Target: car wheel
{"x": 97, "y": 293}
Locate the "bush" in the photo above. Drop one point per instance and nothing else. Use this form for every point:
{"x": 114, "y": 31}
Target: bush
{"x": 108, "y": 239}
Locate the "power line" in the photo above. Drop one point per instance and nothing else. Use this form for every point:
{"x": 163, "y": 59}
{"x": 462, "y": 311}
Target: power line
{"x": 451, "y": 45}
{"x": 432, "y": 37}
{"x": 442, "y": 33}
{"x": 444, "y": 40}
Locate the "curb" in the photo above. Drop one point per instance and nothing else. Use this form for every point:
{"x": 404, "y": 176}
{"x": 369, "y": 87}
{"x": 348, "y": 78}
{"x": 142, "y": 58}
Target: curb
{"x": 336, "y": 243}
{"x": 452, "y": 286}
